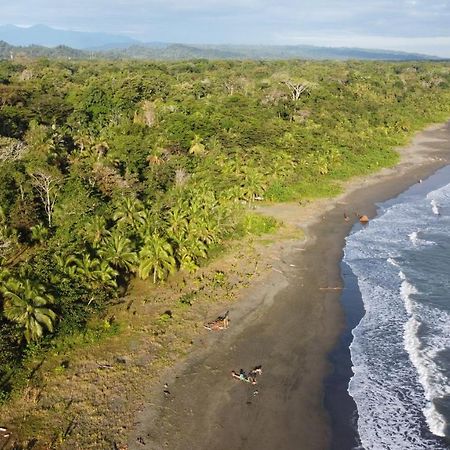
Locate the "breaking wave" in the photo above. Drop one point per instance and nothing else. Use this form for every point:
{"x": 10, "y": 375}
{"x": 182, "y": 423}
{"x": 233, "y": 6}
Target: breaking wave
{"x": 401, "y": 347}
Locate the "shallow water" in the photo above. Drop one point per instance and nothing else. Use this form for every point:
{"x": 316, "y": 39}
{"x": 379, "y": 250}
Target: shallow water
{"x": 400, "y": 351}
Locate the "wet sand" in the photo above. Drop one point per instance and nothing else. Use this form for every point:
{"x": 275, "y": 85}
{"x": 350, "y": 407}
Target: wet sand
{"x": 288, "y": 322}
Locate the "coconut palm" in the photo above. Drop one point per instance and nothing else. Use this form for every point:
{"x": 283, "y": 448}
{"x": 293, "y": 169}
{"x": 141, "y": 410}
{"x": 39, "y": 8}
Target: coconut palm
{"x": 156, "y": 256}
{"x": 188, "y": 253}
{"x": 151, "y": 222}
{"x": 26, "y": 304}
{"x": 117, "y": 250}
{"x": 129, "y": 212}
{"x": 177, "y": 222}
{"x": 66, "y": 264}
{"x": 253, "y": 184}
{"x": 39, "y": 233}
{"x": 282, "y": 165}
{"x": 96, "y": 230}
{"x": 95, "y": 274}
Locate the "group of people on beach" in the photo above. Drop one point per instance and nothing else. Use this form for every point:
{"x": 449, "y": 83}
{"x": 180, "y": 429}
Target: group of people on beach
{"x": 247, "y": 377}
{"x": 222, "y": 323}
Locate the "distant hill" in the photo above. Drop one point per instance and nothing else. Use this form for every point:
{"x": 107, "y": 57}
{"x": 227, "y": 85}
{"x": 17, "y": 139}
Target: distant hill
{"x": 170, "y": 52}
{"x": 51, "y": 37}
{"x": 314, "y": 52}
{"x": 8, "y": 51}
{"x": 180, "y": 51}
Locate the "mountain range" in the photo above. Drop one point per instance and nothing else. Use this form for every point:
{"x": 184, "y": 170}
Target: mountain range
{"x": 43, "y": 41}
{"x": 52, "y": 37}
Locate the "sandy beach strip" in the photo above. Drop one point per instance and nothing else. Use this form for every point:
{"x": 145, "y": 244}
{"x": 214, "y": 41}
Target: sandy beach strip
{"x": 288, "y": 322}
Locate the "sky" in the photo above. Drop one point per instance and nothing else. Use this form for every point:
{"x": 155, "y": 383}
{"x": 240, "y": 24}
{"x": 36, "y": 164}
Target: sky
{"x": 421, "y": 26}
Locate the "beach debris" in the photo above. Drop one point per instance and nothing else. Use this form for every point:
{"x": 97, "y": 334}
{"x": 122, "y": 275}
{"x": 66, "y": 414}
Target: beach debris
{"x": 104, "y": 366}
{"x": 140, "y": 440}
{"x": 166, "y": 390}
{"x": 363, "y": 219}
{"x": 4, "y": 433}
{"x": 346, "y": 218}
{"x": 337, "y": 288}
{"x": 221, "y": 323}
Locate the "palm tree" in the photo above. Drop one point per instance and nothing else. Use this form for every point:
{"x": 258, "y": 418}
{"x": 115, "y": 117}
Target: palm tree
{"x": 95, "y": 274}
{"x": 189, "y": 251}
{"x": 253, "y": 184}
{"x": 177, "y": 222}
{"x": 117, "y": 250}
{"x": 39, "y": 233}
{"x": 4, "y": 274}
{"x": 151, "y": 222}
{"x": 26, "y": 304}
{"x": 130, "y": 212}
{"x": 282, "y": 165}
{"x": 205, "y": 229}
{"x": 156, "y": 256}
{"x": 96, "y": 230}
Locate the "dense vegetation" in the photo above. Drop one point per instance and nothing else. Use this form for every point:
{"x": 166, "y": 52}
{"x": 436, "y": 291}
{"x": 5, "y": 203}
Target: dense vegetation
{"x": 173, "y": 52}
{"x": 114, "y": 170}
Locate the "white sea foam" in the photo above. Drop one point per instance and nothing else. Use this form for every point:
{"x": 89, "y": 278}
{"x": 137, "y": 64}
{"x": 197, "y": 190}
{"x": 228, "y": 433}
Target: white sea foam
{"x": 396, "y": 346}
{"x": 416, "y": 240}
{"x": 385, "y": 421}
{"x": 441, "y": 195}
{"x": 434, "y": 382}
{"x": 393, "y": 262}
{"x": 435, "y": 207}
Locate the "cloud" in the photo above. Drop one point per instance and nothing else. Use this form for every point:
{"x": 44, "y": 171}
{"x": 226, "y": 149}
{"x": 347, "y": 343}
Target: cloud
{"x": 241, "y": 21}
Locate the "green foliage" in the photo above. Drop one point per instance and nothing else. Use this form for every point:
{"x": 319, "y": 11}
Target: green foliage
{"x": 156, "y": 258}
{"x": 257, "y": 224}
{"x": 12, "y": 122}
{"x": 26, "y": 304}
{"x": 188, "y": 298}
{"x": 108, "y": 170}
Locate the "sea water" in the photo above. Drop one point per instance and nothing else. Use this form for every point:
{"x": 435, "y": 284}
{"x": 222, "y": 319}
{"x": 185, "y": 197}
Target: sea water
{"x": 401, "y": 347}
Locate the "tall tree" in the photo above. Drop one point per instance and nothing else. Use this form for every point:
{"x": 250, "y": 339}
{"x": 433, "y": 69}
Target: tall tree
{"x": 117, "y": 250}
{"x": 47, "y": 183}
{"x": 26, "y": 303}
{"x": 130, "y": 212}
{"x": 156, "y": 256}
{"x": 94, "y": 273}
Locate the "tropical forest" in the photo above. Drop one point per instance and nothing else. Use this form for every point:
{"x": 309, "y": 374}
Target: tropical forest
{"x": 120, "y": 172}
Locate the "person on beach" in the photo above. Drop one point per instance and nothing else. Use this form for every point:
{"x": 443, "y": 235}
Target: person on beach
{"x": 250, "y": 378}
{"x": 255, "y": 371}
{"x": 242, "y": 376}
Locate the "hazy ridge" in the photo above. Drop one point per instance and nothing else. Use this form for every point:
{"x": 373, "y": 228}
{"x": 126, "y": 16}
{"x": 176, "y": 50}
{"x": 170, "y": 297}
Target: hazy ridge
{"x": 43, "y": 41}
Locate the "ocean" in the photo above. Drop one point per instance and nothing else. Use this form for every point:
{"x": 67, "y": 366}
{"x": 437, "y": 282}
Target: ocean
{"x": 399, "y": 336}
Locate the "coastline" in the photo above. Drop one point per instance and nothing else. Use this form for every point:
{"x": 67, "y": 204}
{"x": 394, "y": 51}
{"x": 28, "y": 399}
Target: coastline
{"x": 339, "y": 403}
{"x": 286, "y": 323}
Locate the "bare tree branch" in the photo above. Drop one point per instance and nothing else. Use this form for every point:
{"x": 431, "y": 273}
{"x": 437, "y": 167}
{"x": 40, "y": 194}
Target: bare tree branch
{"x": 48, "y": 187}
{"x": 297, "y": 89}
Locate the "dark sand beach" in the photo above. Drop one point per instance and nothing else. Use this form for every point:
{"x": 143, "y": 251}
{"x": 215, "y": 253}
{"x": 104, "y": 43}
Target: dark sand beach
{"x": 288, "y": 321}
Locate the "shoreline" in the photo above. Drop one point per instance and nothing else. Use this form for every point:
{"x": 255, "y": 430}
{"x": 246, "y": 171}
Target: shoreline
{"x": 286, "y": 323}
{"x": 340, "y": 404}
